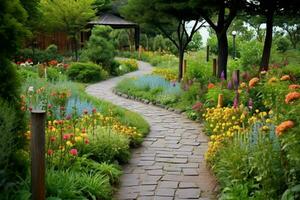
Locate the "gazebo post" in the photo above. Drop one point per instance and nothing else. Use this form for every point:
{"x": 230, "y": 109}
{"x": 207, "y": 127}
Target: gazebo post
{"x": 137, "y": 37}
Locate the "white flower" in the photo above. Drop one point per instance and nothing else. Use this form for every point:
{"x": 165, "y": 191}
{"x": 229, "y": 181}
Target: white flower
{"x": 30, "y": 89}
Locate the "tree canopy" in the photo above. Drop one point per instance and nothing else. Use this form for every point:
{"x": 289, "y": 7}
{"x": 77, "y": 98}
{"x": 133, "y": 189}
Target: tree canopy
{"x": 70, "y": 16}
{"x": 170, "y": 17}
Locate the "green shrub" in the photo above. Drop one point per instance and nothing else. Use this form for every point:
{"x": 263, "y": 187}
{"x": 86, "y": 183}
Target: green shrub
{"x": 77, "y": 185}
{"x": 100, "y": 48}
{"x": 251, "y": 54}
{"x": 27, "y": 73}
{"x": 38, "y": 55}
{"x": 107, "y": 146}
{"x": 86, "y": 72}
{"x": 13, "y": 160}
{"x": 53, "y": 74}
{"x": 10, "y": 83}
{"x": 282, "y": 44}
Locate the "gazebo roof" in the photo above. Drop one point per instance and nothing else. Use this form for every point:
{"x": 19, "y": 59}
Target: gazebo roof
{"x": 113, "y": 21}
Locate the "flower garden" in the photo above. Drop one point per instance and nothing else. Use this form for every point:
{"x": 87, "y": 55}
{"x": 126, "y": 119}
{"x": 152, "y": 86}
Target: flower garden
{"x": 253, "y": 130}
{"x": 231, "y": 66}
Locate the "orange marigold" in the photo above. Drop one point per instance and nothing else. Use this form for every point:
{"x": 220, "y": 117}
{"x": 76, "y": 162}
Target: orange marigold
{"x": 292, "y": 96}
{"x": 294, "y": 87}
{"x": 284, "y": 126}
{"x": 253, "y": 82}
{"x": 210, "y": 85}
{"x": 285, "y": 78}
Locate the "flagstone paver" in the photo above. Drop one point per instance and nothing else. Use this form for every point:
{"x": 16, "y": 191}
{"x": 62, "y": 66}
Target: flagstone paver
{"x": 170, "y": 163}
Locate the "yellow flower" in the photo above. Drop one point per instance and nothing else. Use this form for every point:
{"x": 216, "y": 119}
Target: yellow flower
{"x": 269, "y": 121}
{"x": 69, "y": 143}
{"x": 265, "y": 128}
{"x": 78, "y": 138}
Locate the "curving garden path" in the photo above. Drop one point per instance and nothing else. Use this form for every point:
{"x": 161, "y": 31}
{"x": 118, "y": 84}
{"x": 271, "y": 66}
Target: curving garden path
{"x": 170, "y": 163}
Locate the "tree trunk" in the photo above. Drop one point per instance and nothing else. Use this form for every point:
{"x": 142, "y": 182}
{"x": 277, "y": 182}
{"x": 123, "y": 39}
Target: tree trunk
{"x": 222, "y": 54}
{"x": 181, "y": 58}
{"x": 75, "y": 47}
{"x": 264, "y": 64}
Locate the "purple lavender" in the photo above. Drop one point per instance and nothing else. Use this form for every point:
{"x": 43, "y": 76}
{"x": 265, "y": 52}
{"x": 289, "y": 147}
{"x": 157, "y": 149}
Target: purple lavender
{"x": 222, "y": 76}
{"x": 235, "y": 102}
{"x": 235, "y": 80}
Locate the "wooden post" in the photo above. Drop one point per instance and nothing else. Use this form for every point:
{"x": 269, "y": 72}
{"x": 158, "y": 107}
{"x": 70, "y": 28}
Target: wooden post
{"x": 220, "y": 100}
{"x": 214, "y": 67}
{"x": 184, "y": 68}
{"x": 140, "y": 51}
{"x": 38, "y": 118}
{"x": 207, "y": 53}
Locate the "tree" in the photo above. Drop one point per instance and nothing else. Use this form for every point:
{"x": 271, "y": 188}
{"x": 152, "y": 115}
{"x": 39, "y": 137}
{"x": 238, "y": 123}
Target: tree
{"x": 224, "y": 11}
{"x": 168, "y": 16}
{"x": 268, "y": 9}
{"x": 100, "y": 48}
{"x": 196, "y": 42}
{"x": 70, "y": 16}
{"x": 290, "y": 26}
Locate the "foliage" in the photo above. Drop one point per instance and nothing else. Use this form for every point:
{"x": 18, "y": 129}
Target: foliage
{"x": 282, "y": 44}
{"x": 13, "y": 30}
{"x": 72, "y": 185}
{"x": 38, "y": 56}
{"x": 12, "y": 159}
{"x": 108, "y": 146}
{"x": 196, "y": 42}
{"x": 250, "y": 54}
{"x": 86, "y": 72}
{"x": 126, "y": 66}
{"x": 68, "y": 16}
{"x": 99, "y": 48}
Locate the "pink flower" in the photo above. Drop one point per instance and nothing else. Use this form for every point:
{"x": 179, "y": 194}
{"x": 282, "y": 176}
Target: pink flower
{"x": 49, "y": 106}
{"x": 94, "y": 110}
{"x": 74, "y": 152}
{"x": 66, "y": 136}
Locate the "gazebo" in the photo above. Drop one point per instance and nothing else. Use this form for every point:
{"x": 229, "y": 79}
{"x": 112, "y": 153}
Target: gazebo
{"x": 117, "y": 23}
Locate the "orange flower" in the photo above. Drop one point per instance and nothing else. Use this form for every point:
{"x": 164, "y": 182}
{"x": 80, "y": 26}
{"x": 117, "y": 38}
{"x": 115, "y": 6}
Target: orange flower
{"x": 292, "y": 96}
{"x": 294, "y": 87}
{"x": 284, "y": 126}
{"x": 285, "y": 78}
{"x": 210, "y": 86}
{"x": 253, "y": 82}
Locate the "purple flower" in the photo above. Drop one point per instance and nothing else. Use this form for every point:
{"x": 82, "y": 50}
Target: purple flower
{"x": 229, "y": 85}
{"x": 222, "y": 76}
{"x": 250, "y": 104}
{"x": 235, "y": 80}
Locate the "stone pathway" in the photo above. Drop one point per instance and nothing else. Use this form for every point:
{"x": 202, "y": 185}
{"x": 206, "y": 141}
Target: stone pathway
{"x": 170, "y": 163}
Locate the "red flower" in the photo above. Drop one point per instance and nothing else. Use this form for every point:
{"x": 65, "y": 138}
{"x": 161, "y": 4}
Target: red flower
{"x": 50, "y": 152}
{"x": 52, "y": 138}
{"x": 86, "y": 141}
{"x": 94, "y": 110}
{"x": 210, "y": 86}
{"x": 74, "y": 152}
{"x": 197, "y": 106}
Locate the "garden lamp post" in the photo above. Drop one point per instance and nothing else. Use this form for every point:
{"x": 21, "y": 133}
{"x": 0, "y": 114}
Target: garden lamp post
{"x": 233, "y": 44}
